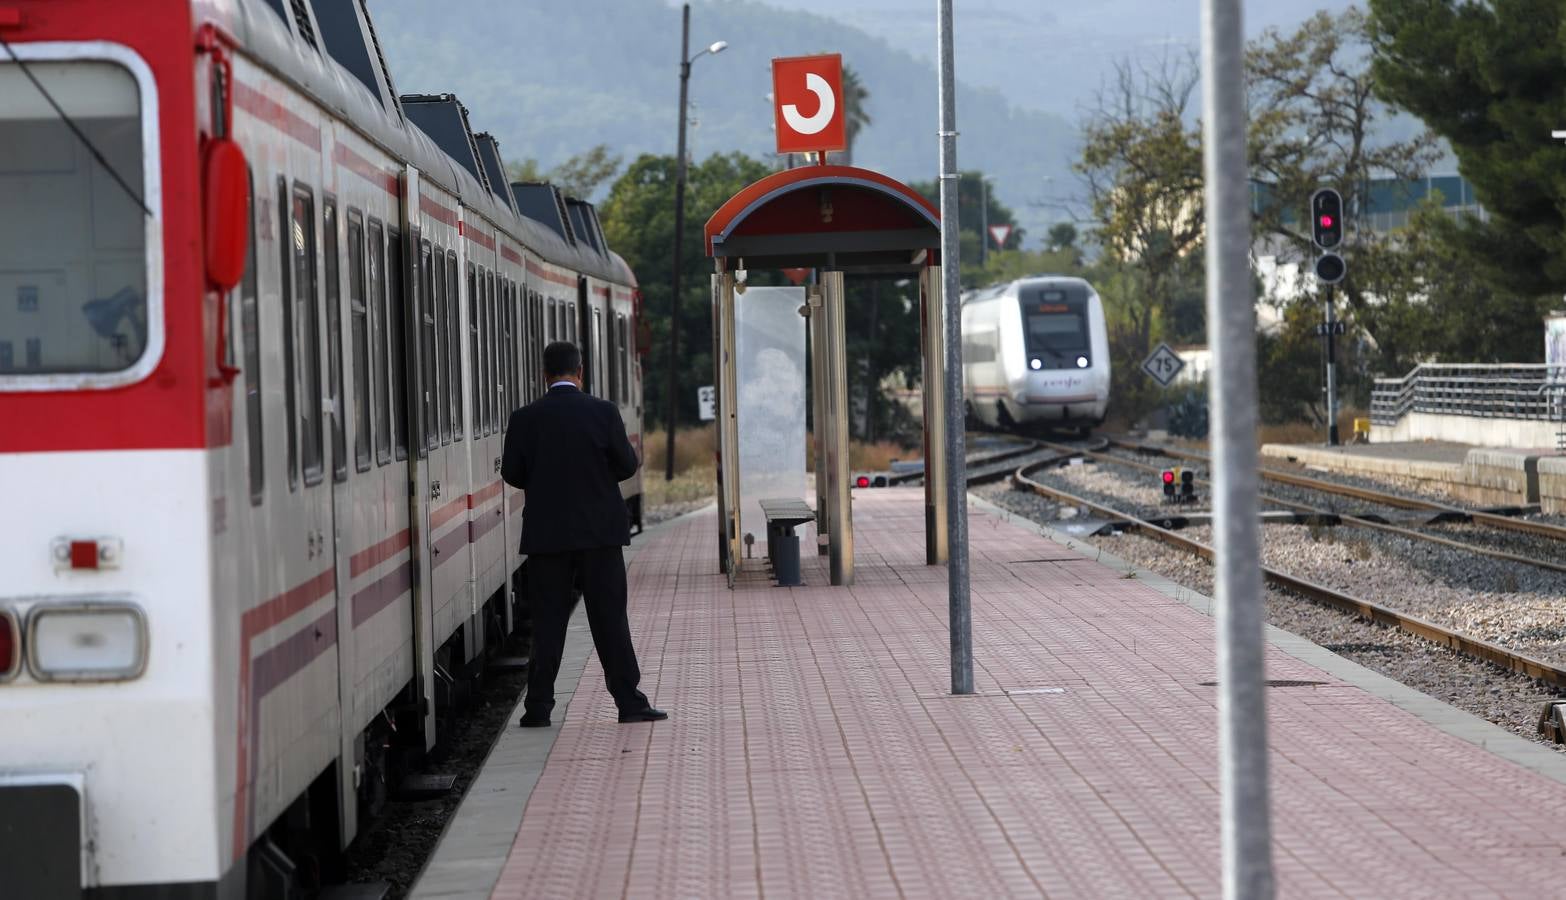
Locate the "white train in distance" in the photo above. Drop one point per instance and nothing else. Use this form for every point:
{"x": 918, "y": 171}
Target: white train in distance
{"x": 1035, "y": 355}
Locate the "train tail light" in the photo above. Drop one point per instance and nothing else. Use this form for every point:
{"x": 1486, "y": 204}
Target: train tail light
{"x": 10, "y": 645}
{"x": 94, "y": 641}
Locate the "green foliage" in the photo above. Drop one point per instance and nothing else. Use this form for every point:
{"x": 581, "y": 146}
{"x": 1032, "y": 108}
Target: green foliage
{"x": 970, "y": 195}
{"x": 638, "y": 219}
{"x": 578, "y": 176}
{"x": 1188, "y": 413}
{"x": 1491, "y": 79}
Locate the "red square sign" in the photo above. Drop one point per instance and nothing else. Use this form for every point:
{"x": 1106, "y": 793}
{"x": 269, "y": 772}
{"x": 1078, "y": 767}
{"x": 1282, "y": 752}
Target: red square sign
{"x": 807, "y": 103}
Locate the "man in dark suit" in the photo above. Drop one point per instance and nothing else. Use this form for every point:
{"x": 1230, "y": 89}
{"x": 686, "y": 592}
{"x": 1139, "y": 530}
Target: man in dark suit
{"x": 568, "y": 451}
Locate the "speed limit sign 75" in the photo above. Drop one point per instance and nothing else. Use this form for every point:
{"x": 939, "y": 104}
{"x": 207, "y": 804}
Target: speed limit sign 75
{"x": 807, "y": 103}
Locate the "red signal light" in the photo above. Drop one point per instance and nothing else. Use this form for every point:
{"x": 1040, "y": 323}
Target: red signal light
{"x": 1326, "y": 221}
{"x": 9, "y": 651}
{"x": 862, "y": 481}
{"x": 1168, "y": 476}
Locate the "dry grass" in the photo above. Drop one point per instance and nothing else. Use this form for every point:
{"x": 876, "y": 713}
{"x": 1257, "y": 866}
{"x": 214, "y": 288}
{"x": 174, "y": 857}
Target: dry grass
{"x": 694, "y": 484}
{"x": 692, "y": 447}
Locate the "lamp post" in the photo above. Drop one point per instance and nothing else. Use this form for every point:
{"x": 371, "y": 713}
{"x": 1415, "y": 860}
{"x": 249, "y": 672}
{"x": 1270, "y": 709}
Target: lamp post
{"x": 679, "y": 232}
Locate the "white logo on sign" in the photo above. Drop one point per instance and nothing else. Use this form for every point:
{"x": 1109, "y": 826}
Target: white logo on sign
{"x": 803, "y": 124}
{"x": 1163, "y": 364}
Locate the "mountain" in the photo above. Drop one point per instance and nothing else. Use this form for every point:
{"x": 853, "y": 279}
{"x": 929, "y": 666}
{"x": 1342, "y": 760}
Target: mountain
{"x": 1050, "y": 57}
{"x": 551, "y": 78}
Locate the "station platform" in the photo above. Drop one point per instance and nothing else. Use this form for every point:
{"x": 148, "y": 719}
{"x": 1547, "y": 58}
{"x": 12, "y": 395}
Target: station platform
{"x": 1489, "y": 476}
{"x": 814, "y": 749}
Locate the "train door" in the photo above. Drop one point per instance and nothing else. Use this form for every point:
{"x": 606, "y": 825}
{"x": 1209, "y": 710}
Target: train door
{"x": 408, "y": 404}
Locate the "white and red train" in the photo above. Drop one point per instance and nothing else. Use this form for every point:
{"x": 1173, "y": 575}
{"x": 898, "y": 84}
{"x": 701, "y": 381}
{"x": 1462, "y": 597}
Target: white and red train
{"x": 262, "y": 322}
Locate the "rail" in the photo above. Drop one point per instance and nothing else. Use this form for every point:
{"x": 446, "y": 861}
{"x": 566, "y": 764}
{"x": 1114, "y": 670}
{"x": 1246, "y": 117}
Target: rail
{"x": 1502, "y": 391}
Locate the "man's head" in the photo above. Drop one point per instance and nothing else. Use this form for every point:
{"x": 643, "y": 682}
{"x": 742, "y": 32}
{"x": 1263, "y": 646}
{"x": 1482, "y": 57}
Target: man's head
{"x": 562, "y": 362}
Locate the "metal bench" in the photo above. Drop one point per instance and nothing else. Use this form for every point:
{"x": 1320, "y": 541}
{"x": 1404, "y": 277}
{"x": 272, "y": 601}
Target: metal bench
{"x": 784, "y": 514}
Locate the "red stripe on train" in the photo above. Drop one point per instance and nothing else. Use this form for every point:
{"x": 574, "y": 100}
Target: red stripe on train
{"x": 346, "y": 157}
{"x": 277, "y": 115}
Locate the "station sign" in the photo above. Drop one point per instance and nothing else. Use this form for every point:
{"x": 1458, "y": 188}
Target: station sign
{"x": 1163, "y": 364}
{"x": 707, "y": 402}
{"x": 1000, "y": 233}
{"x": 807, "y": 103}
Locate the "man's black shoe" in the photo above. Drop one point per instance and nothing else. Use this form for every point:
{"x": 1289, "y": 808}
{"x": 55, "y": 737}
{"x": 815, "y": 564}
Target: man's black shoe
{"x": 531, "y": 721}
{"x": 646, "y": 714}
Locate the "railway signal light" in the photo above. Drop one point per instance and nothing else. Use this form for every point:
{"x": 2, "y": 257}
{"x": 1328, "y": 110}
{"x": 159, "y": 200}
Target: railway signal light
{"x": 862, "y": 481}
{"x": 1187, "y": 486}
{"x": 1326, "y": 218}
{"x": 1330, "y": 268}
{"x": 1169, "y": 484}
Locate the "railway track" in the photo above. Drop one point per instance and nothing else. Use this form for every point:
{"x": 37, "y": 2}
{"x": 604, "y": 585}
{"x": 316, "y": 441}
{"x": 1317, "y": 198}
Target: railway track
{"x": 1487, "y": 651}
{"x": 1318, "y": 515}
{"x": 985, "y": 467}
{"x": 1445, "y": 511}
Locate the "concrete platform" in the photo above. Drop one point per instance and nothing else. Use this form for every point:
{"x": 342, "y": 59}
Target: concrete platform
{"x": 814, "y": 749}
{"x": 1485, "y": 476}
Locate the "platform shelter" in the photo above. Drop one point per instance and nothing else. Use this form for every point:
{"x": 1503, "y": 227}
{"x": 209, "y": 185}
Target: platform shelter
{"x": 843, "y": 223}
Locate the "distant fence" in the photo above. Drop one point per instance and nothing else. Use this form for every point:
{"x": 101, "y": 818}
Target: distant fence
{"x": 1518, "y": 392}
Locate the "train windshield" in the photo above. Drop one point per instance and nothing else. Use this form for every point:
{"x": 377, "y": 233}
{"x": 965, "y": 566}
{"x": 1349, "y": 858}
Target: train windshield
{"x": 73, "y": 262}
{"x": 1057, "y": 332}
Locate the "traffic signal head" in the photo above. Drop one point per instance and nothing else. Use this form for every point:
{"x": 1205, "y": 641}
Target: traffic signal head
{"x": 1169, "y": 482}
{"x": 1326, "y": 218}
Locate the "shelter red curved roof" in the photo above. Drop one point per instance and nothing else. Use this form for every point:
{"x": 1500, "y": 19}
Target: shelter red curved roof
{"x": 839, "y": 216}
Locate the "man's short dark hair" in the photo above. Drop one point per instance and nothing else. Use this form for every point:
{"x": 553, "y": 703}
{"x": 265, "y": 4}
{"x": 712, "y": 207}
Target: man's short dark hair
{"x": 561, "y": 358}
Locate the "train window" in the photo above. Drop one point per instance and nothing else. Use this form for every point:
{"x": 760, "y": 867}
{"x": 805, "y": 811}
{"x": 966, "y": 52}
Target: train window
{"x": 473, "y": 347}
{"x": 490, "y": 392}
{"x": 250, "y": 334}
{"x": 380, "y": 321}
{"x": 307, "y": 311}
{"x": 334, "y": 337}
{"x": 426, "y": 337}
{"x": 596, "y": 357}
{"x": 396, "y": 325}
{"x": 454, "y": 344}
{"x": 359, "y": 342}
{"x": 623, "y": 356}
{"x": 487, "y": 351}
{"x": 75, "y": 253}
{"x": 513, "y": 334}
{"x": 1056, "y": 333}
{"x": 285, "y": 265}
{"x": 437, "y": 308}
{"x": 571, "y": 326}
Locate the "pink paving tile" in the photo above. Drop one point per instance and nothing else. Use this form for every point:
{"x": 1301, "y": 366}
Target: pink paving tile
{"x": 814, "y": 750}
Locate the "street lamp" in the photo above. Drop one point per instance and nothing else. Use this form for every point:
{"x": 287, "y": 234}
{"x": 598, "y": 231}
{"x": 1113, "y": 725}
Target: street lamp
{"x": 679, "y": 231}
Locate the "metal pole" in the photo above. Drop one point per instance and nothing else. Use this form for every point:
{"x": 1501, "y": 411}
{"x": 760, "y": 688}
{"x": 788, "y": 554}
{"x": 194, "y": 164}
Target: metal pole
{"x": 956, "y": 440}
{"x": 1231, "y": 333}
{"x": 1332, "y": 372}
{"x": 679, "y": 234}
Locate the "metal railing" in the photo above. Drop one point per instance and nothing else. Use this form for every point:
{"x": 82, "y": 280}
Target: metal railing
{"x": 1511, "y": 391}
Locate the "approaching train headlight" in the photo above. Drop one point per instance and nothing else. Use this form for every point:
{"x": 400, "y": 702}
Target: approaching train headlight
{"x": 95, "y": 641}
{"x": 1082, "y": 362}
{"x": 1037, "y": 363}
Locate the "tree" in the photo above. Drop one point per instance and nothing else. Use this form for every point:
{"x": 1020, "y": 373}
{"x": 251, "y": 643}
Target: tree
{"x": 1062, "y": 236}
{"x": 638, "y": 219}
{"x": 855, "y": 116}
{"x": 970, "y": 193}
{"x": 578, "y": 176}
{"x": 1490, "y": 78}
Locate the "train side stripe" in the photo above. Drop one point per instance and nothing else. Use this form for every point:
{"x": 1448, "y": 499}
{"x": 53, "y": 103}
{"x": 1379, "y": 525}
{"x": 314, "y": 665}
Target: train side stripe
{"x": 437, "y": 212}
{"x": 277, "y": 115}
{"x": 479, "y": 237}
{"x": 534, "y": 268}
{"x": 485, "y": 494}
{"x": 375, "y": 554}
{"x": 379, "y": 595}
{"x": 510, "y": 254}
{"x": 446, "y": 513}
{"x": 346, "y": 157}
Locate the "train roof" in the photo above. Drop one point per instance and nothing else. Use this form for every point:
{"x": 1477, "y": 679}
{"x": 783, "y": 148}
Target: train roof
{"x": 1008, "y": 287}
{"x": 329, "y": 51}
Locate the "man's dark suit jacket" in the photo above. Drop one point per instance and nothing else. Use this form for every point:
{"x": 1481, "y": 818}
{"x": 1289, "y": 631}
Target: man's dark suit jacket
{"x": 569, "y": 452}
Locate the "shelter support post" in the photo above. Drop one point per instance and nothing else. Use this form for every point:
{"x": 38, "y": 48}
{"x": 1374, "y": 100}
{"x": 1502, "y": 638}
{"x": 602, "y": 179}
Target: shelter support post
{"x": 835, "y": 386}
{"x": 931, "y": 330}
{"x": 815, "y": 309}
{"x": 728, "y": 425}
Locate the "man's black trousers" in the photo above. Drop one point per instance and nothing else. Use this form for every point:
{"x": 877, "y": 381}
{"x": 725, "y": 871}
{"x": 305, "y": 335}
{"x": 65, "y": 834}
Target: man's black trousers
{"x": 551, "y": 582}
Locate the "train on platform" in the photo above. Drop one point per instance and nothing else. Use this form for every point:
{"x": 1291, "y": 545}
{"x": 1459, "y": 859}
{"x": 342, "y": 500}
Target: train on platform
{"x": 1035, "y": 355}
{"x": 262, "y": 323}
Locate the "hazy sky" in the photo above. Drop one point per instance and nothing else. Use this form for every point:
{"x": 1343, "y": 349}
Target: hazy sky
{"x": 1049, "y": 54}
